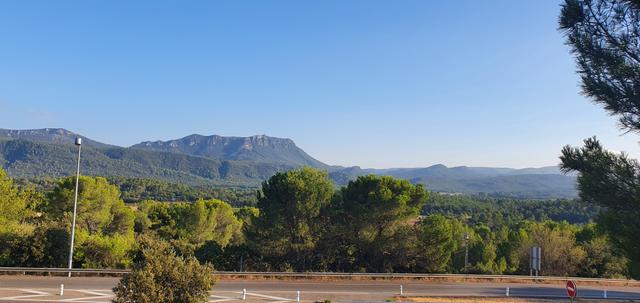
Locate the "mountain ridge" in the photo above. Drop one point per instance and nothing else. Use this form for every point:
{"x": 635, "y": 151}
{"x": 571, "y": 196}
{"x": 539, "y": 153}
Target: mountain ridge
{"x": 247, "y": 161}
{"x": 253, "y": 148}
{"x": 51, "y": 135}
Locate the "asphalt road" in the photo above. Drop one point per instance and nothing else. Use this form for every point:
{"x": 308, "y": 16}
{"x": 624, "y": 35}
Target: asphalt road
{"x": 98, "y": 289}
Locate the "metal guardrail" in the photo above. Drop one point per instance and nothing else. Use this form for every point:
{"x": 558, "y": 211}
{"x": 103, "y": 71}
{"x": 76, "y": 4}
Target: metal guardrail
{"x": 332, "y": 274}
{"x": 61, "y": 270}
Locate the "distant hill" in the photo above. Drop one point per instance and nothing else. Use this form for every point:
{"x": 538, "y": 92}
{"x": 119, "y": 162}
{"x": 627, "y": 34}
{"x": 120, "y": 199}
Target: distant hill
{"x": 38, "y": 159}
{"x": 246, "y": 162}
{"x": 544, "y": 182}
{"x": 49, "y": 135}
{"x": 255, "y": 148}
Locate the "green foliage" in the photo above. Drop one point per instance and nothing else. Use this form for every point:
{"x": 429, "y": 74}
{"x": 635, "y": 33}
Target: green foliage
{"x": 17, "y": 220}
{"x": 370, "y": 216}
{"x": 47, "y": 246}
{"x": 241, "y": 257}
{"x": 104, "y": 225}
{"x": 160, "y": 276}
{"x": 605, "y": 38}
{"x": 602, "y": 260}
{"x": 613, "y": 182}
{"x": 436, "y": 244}
{"x": 100, "y": 209}
{"x": 137, "y": 190}
{"x": 561, "y": 254}
{"x": 288, "y": 227}
{"x": 31, "y": 159}
{"x": 542, "y": 183}
{"x": 502, "y": 211}
{"x": 371, "y": 225}
{"x": 17, "y": 207}
{"x": 206, "y": 168}
{"x": 189, "y": 225}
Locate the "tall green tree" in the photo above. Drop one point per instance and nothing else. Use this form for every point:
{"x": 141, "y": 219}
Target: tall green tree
{"x": 604, "y": 36}
{"x": 288, "y": 226}
{"x": 190, "y": 225}
{"x": 370, "y": 216}
{"x": 436, "y": 243}
{"x": 602, "y": 261}
{"x": 18, "y": 222}
{"x": 561, "y": 254}
{"x": 17, "y": 207}
{"x": 104, "y": 224}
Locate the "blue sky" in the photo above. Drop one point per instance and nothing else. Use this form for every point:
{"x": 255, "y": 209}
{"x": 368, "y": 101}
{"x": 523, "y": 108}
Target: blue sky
{"x": 369, "y": 83}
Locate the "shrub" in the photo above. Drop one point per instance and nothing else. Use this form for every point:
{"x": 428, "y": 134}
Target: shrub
{"x": 160, "y": 276}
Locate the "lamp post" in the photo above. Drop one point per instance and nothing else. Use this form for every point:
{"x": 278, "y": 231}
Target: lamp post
{"x": 75, "y": 206}
{"x": 466, "y": 250}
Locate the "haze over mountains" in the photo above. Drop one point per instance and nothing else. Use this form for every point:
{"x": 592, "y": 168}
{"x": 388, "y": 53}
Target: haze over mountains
{"x": 245, "y": 162}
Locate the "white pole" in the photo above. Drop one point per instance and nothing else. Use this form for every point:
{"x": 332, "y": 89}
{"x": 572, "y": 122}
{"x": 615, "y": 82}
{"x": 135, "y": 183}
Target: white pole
{"x": 507, "y": 293}
{"x": 61, "y": 289}
{"x": 604, "y": 294}
{"x": 75, "y": 207}
{"x": 401, "y": 290}
{"x": 244, "y": 294}
{"x": 298, "y": 297}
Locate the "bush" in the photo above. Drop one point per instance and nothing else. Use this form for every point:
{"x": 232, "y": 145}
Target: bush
{"x": 160, "y": 276}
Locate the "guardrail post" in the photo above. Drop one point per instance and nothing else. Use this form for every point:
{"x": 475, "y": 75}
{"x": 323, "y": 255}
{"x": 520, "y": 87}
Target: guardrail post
{"x": 604, "y": 294}
{"x": 244, "y": 294}
{"x": 298, "y": 296}
{"x": 61, "y": 289}
{"x": 507, "y": 292}
{"x": 401, "y": 290}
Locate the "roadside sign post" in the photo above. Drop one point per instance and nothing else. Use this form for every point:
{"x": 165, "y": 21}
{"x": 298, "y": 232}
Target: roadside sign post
{"x": 535, "y": 254}
{"x": 572, "y": 290}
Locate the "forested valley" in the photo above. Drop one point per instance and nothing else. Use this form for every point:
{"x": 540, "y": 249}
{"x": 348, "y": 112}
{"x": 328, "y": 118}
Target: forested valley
{"x": 301, "y": 221}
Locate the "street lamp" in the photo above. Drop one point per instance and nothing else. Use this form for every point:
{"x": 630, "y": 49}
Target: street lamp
{"x": 466, "y": 250}
{"x": 75, "y": 206}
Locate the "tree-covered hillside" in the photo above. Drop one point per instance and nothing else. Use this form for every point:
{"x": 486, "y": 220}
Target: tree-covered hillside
{"x": 247, "y": 161}
{"x": 304, "y": 223}
{"x": 36, "y": 159}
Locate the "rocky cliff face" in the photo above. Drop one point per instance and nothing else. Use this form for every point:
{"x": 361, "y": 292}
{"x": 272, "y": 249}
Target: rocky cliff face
{"x": 255, "y": 148}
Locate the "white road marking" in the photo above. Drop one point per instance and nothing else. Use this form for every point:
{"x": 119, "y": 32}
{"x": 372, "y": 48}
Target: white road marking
{"x": 346, "y": 292}
{"x": 96, "y": 296}
{"x": 103, "y": 296}
{"x": 86, "y": 298}
{"x": 269, "y": 297}
{"x": 34, "y": 294}
{"x": 221, "y": 299}
{"x": 96, "y": 292}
